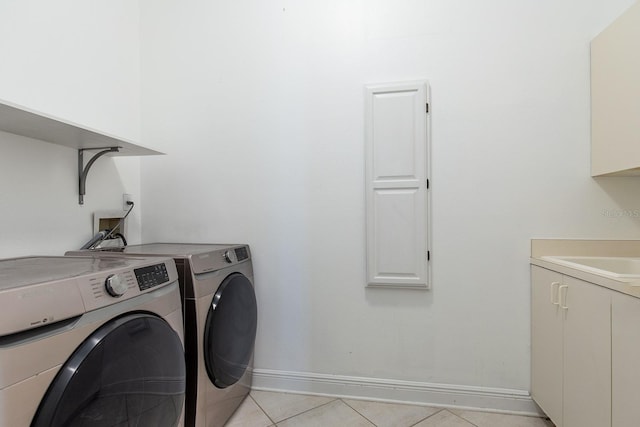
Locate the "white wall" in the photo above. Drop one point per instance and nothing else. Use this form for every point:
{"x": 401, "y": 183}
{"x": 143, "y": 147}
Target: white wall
{"x": 260, "y": 107}
{"x": 78, "y": 61}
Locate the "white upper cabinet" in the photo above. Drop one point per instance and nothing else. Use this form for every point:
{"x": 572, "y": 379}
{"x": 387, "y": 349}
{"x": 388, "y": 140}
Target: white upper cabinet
{"x": 396, "y": 140}
{"x": 615, "y": 97}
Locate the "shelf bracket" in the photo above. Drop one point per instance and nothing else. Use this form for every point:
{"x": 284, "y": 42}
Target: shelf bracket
{"x": 84, "y": 170}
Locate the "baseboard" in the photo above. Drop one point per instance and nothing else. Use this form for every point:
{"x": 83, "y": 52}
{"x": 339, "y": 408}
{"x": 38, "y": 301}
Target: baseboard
{"x": 439, "y": 395}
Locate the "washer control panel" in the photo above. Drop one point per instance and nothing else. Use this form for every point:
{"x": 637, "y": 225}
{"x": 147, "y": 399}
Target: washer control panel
{"x": 128, "y": 279}
{"x": 37, "y": 291}
{"x": 151, "y": 276}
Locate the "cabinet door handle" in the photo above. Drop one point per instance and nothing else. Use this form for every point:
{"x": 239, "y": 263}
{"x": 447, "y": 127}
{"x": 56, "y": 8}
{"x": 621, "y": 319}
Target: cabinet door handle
{"x": 563, "y": 296}
{"x": 554, "y": 293}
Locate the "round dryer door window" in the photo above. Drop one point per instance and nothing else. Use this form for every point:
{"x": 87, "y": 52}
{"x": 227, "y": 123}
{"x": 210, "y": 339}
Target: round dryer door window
{"x": 230, "y": 331}
{"x": 130, "y": 372}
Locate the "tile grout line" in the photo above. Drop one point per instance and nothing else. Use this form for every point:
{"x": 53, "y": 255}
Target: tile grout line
{"x": 463, "y": 418}
{"x": 263, "y": 411}
{"x": 358, "y": 412}
{"x": 444, "y": 410}
{"x": 416, "y": 423}
{"x": 427, "y": 417}
{"x": 303, "y": 412}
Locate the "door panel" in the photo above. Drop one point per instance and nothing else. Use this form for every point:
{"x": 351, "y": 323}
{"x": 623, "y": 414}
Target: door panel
{"x": 396, "y": 141}
{"x": 546, "y": 342}
{"x": 625, "y": 341}
{"x": 130, "y": 371}
{"x": 230, "y": 331}
{"x": 587, "y": 346}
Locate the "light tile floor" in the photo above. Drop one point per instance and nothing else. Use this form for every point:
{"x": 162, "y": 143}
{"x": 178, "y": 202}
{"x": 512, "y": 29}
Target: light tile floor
{"x": 269, "y": 409}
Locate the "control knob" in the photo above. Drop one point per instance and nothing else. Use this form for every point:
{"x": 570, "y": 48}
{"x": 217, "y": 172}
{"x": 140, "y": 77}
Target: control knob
{"x": 227, "y": 257}
{"x": 115, "y": 286}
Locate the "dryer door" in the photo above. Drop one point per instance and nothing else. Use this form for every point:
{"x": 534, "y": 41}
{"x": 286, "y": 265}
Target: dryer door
{"x": 130, "y": 371}
{"x": 230, "y": 330}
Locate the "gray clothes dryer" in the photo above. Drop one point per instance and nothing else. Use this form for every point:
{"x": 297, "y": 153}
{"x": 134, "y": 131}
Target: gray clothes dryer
{"x": 220, "y": 319}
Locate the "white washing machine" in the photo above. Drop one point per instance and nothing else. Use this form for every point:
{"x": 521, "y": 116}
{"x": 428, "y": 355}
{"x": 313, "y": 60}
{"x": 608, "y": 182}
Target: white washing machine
{"x": 90, "y": 342}
{"x": 220, "y": 324}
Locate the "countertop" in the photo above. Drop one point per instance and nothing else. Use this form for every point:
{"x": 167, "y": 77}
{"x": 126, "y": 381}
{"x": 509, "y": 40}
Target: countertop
{"x": 566, "y": 247}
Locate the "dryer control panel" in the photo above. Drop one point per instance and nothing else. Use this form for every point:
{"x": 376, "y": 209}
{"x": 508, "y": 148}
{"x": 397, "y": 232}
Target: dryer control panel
{"x": 204, "y": 262}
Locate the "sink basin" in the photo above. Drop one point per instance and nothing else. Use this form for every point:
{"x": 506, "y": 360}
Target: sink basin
{"x": 617, "y": 267}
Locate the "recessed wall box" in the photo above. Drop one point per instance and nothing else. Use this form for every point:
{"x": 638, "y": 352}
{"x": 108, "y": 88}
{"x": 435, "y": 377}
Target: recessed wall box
{"x": 107, "y": 220}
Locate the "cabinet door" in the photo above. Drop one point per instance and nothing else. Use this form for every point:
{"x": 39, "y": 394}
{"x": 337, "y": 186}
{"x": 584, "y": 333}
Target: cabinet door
{"x": 546, "y": 342}
{"x": 587, "y": 354}
{"x": 615, "y": 97}
{"x": 625, "y": 354}
{"x": 396, "y": 147}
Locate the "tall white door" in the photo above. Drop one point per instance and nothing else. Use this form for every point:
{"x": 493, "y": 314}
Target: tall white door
{"x": 396, "y": 140}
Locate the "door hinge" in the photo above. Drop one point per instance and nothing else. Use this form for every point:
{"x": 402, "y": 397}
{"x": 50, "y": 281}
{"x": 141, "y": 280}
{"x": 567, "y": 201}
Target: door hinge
{"x": 427, "y": 108}
{"x": 428, "y": 184}
{"x": 428, "y": 255}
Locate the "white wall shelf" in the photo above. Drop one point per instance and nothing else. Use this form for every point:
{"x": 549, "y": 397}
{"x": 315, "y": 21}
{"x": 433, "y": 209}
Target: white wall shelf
{"x": 22, "y": 121}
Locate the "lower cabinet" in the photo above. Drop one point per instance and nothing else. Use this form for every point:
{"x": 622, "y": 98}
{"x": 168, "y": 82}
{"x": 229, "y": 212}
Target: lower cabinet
{"x": 547, "y": 347}
{"x": 587, "y": 355}
{"x": 625, "y": 353}
{"x": 571, "y": 349}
